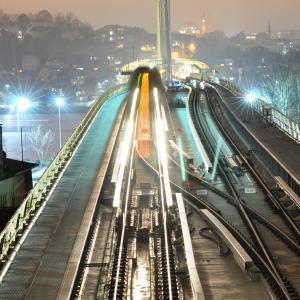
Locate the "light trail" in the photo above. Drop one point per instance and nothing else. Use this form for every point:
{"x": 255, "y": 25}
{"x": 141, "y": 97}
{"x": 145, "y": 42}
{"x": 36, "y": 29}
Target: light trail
{"x": 144, "y": 136}
{"x": 181, "y": 159}
{"x": 125, "y": 149}
{"x": 161, "y": 149}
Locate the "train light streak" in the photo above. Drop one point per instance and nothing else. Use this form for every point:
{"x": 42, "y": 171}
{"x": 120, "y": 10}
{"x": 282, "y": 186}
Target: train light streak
{"x": 181, "y": 160}
{"x": 161, "y": 148}
{"x": 144, "y": 136}
{"x": 125, "y": 149}
{"x": 117, "y": 164}
{"x": 139, "y": 81}
{"x": 164, "y": 118}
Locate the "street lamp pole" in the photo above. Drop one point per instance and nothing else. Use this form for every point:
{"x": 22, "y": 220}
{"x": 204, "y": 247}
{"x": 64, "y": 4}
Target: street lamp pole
{"x": 22, "y": 104}
{"x": 59, "y": 125}
{"x": 18, "y": 118}
{"x": 22, "y": 151}
{"x": 59, "y": 102}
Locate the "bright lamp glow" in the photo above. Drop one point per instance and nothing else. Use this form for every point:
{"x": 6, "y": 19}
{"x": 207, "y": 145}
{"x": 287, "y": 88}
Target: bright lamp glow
{"x": 59, "y": 101}
{"x": 22, "y": 103}
{"x": 251, "y": 97}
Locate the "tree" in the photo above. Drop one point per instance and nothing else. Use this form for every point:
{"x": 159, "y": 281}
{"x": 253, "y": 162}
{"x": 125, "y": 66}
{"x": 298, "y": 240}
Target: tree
{"x": 23, "y": 22}
{"x": 283, "y": 92}
{"x": 44, "y": 17}
{"x": 5, "y": 19}
{"x": 41, "y": 141}
{"x": 297, "y": 99}
{"x": 278, "y": 92}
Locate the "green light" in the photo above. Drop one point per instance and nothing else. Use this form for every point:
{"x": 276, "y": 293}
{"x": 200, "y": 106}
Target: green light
{"x": 219, "y": 146}
{"x": 139, "y": 80}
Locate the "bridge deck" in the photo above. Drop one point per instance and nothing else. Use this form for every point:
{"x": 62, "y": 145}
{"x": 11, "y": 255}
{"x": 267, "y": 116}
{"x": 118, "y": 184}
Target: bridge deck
{"x": 40, "y": 264}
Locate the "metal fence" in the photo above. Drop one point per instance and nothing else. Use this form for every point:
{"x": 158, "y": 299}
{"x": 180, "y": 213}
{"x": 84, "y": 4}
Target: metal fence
{"x": 35, "y": 200}
{"x": 284, "y": 123}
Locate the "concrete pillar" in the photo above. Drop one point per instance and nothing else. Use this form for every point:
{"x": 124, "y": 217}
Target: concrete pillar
{"x": 163, "y": 36}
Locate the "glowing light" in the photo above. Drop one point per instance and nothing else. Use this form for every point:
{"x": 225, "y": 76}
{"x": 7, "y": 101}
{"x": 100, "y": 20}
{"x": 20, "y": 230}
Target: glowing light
{"x": 181, "y": 158}
{"x": 59, "y": 101}
{"x": 251, "y": 97}
{"x": 143, "y": 132}
{"x": 125, "y": 149}
{"x": 192, "y": 47}
{"x": 216, "y": 161}
{"x": 175, "y": 55}
{"x": 22, "y": 103}
{"x": 139, "y": 80}
{"x": 162, "y": 151}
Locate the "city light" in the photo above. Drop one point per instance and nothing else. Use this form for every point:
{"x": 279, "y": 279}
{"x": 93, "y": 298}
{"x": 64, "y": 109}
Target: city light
{"x": 251, "y": 97}
{"x": 59, "y": 101}
{"x": 22, "y": 103}
{"x": 192, "y": 47}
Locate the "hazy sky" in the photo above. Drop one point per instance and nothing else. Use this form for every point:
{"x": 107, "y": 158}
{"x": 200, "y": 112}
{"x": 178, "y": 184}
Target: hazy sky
{"x": 228, "y": 15}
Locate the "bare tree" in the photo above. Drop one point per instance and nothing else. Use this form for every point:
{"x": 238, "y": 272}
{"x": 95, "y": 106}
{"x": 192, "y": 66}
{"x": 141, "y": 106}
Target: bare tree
{"x": 41, "y": 141}
{"x": 297, "y": 99}
{"x": 279, "y": 91}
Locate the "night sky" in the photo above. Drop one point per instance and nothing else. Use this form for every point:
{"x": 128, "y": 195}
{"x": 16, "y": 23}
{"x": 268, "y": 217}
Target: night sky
{"x": 230, "y": 16}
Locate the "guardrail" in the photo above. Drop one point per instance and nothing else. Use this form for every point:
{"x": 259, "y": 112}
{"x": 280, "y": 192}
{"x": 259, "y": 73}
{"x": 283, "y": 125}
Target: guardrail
{"x": 284, "y": 123}
{"x": 24, "y": 217}
{"x": 268, "y": 112}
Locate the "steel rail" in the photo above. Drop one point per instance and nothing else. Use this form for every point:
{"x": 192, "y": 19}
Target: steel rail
{"x": 259, "y": 242}
{"x": 259, "y": 260}
{"x": 256, "y": 175}
{"x": 291, "y": 243}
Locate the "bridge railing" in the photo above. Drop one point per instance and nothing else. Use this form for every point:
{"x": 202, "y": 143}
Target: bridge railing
{"x": 19, "y": 225}
{"x": 283, "y": 122}
{"x": 267, "y": 111}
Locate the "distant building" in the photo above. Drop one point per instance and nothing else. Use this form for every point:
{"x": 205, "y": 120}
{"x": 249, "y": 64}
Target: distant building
{"x": 198, "y": 30}
{"x": 286, "y": 34}
{"x": 111, "y": 33}
{"x": 191, "y": 29}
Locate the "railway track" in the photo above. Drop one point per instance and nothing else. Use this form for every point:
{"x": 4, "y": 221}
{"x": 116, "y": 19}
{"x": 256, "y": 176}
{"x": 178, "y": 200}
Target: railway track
{"x": 290, "y": 241}
{"x": 197, "y": 203}
{"x": 135, "y": 256}
{"x": 248, "y": 214}
{"x": 265, "y": 179}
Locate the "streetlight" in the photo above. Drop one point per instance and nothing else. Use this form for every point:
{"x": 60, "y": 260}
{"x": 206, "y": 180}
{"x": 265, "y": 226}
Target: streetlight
{"x": 59, "y": 101}
{"x": 251, "y": 97}
{"x": 22, "y": 104}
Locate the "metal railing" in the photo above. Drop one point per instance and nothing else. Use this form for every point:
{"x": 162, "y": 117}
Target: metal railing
{"x": 268, "y": 112}
{"x": 32, "y": 205}
{"x": 284, "y": 123}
